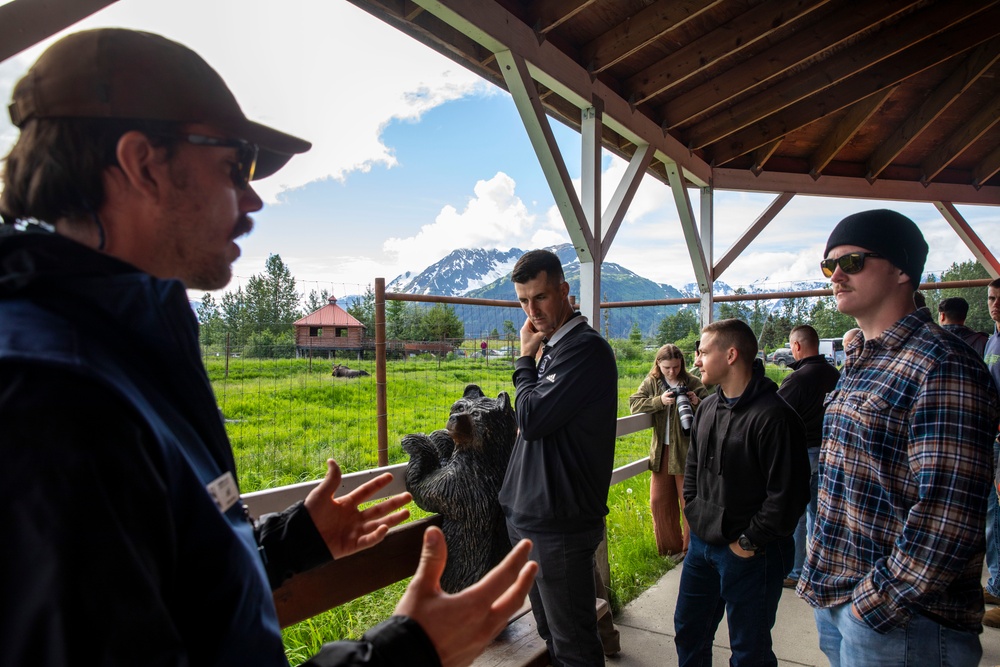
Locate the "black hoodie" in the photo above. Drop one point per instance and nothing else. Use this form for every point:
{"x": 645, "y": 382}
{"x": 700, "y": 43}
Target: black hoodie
{"x": 747, "y": 471}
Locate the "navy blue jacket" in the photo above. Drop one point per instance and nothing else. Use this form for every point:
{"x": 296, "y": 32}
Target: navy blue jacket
{"x": 567, "y": 411}
{"x": 115, "y": 551}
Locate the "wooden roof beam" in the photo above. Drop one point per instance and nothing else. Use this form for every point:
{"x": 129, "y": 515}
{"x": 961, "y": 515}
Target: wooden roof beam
{"x": 640, "y": 30}
{"x": 910, "y": 36}
{"x": 762, "y": 155}
{"x": 855, "y": 118}
{"x": 743, "y": 180}
{"x": 971, "y": 68}
{"x": 825, "y": 33}
{"x": 552, "y": 14}
{"x": 986, "y": 169}
{"x": 749, "y": 28}
{"x": 847, "y": 91}
{"x": 24, "y": 23}
{"x": 985, "y": 117}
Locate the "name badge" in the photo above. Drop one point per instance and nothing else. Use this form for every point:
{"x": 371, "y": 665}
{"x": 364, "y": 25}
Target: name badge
{"x": 223, "y": 491}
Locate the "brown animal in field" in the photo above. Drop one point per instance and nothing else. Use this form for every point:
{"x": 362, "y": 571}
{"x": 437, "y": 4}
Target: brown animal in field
{"x": 345, "y": 372}
{"x": 457, "y": 472}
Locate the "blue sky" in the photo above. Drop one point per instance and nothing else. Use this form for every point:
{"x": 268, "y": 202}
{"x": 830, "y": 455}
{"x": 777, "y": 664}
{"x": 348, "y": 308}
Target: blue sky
{"x": 414, "y": 156}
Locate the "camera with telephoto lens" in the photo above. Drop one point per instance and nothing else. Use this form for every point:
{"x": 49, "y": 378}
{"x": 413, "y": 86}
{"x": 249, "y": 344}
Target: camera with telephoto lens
{"x": 684, "y": 409}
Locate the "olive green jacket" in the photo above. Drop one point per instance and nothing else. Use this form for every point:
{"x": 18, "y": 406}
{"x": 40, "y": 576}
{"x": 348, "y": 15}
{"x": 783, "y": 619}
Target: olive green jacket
{"x": 647, "y": 399}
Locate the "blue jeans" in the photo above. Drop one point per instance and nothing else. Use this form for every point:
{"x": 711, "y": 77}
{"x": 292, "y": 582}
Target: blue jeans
{"x": 847, "y": 640}
{"x": 715, "y": 580}
{"x": 562, "y": 599}
{"x": 993, "y": 534}
{"x": 804, "y": 529}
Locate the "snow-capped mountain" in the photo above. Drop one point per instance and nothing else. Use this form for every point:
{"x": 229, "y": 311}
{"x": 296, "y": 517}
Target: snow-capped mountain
{"x": 461, "y": 272}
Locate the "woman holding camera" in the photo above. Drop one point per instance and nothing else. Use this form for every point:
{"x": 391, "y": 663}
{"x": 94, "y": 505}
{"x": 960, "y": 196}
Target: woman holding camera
{"x": 667, "y": 384}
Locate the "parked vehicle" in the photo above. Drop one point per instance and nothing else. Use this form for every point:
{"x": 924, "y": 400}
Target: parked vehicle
{"x": 781, "y": 357}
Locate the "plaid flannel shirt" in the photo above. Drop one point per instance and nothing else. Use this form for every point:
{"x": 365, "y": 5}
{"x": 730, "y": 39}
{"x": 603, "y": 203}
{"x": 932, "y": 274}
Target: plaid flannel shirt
{"x": 905, "y": 467}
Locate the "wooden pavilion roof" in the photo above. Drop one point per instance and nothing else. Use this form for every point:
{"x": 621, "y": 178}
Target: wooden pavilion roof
{"x": 895, "y": 99}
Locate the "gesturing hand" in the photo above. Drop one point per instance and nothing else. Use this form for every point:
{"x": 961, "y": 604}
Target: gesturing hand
{"x": 344, "y": 527}
{"x": 461, "y": 625}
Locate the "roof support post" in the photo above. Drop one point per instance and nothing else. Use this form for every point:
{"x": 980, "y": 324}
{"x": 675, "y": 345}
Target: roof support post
{"x": 590, "y": 267}
{"x": 979, "y": 249}
{"x": 707, "y": 243}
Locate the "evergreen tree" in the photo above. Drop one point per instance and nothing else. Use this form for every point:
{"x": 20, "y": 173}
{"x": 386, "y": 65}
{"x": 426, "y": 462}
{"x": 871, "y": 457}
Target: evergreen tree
{"x": 363, "y": 310}
{"x": 677, "y": 326}
{"x": 827, "y": 320}
{"x": 635, "y": 335}
{"x": 271, "y": 300}
{"x": 440, "y": 322}
{"x": 317, "y": 300}
{"x": 234, "y": 312}
{"x": 212, "y": 328}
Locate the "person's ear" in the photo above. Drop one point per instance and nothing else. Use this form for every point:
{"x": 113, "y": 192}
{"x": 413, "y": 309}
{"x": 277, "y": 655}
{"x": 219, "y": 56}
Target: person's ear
{"x": 141, "y": 165}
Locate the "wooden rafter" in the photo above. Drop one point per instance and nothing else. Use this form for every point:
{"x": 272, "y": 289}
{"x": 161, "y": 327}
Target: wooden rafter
{"x": 24, "y": 23}
{"x": 829, "y": 99}
{"x": 640, "y": 30}
{"x": 985, "y": 117}
{"x": 735, "y": 36}
{"x": 550, "y": 15}
{"x": 800, "y": 47}
{"x": 848, "y": 64}
{"x": 848, "y": 126}
{"x": 985, "y": 170}
{"x": 968, "y": 71}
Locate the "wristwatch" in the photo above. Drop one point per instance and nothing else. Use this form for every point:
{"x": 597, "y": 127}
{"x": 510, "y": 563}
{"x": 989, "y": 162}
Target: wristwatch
{"x": 746, "y": 544}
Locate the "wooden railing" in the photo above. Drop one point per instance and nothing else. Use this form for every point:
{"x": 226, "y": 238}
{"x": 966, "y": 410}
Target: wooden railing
{"x": 394, "y": 559}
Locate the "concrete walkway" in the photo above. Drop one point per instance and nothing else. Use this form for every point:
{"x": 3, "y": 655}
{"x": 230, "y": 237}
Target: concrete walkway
{"x": 647, "y": 631}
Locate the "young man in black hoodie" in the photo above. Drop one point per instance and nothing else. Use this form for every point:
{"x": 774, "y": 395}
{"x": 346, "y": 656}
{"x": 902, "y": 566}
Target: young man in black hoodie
{"x": 745, "y": 485}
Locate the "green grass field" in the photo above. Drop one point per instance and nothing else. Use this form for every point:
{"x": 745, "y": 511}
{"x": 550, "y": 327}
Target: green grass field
{"x": 286, "y": 417}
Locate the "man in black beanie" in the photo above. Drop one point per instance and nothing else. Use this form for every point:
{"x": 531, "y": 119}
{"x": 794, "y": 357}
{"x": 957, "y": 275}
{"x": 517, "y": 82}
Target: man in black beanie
{"x": 896, "y": 557}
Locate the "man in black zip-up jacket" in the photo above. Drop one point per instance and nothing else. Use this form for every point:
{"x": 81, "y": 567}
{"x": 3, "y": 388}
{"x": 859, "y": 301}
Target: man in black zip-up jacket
{"x": 556, "y": 488}
{"x": 745, "y": 485}
{"x": 805, "y": 391}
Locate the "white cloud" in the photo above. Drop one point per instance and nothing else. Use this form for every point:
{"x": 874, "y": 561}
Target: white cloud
{"x": 495, "y": 217}
{"x": 312, "y": 73}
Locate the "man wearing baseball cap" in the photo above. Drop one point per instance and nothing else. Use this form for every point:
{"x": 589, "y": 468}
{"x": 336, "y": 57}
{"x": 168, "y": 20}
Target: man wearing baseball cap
{"x": 896, "y": 557}
{"x": 125, "y": 540}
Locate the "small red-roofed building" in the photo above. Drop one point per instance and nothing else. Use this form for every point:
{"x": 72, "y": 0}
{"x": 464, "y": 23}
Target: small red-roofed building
{"x": 329, "y": 329}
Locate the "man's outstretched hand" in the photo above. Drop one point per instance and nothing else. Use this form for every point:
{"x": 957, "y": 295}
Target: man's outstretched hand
{"x": 345, "y": 528}
{"x": 460, "y": 625}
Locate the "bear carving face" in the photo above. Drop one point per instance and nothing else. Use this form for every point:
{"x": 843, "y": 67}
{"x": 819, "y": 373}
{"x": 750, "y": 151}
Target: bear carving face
{"x": 476, "y": 419}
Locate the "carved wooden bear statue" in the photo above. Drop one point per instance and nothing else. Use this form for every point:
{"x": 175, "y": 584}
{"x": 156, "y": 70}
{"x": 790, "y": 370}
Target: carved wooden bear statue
{"x": 457, "y": 472}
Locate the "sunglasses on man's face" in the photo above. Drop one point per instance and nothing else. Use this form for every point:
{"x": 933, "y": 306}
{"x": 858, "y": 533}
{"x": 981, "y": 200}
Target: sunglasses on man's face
{"x": 850, "y": 263}
{"x": 246, "y": 155}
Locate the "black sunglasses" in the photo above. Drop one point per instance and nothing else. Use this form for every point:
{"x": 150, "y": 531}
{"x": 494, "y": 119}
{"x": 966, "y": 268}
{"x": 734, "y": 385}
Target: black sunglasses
{"x": 246, "y": 155}
{"x": 852, "y": 262}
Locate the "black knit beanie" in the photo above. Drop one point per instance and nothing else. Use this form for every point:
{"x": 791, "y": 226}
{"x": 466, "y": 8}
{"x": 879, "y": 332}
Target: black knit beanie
{"x": 890, "y": 234}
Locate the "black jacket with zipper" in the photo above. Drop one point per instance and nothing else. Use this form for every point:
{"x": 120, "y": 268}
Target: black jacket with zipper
{"x": 747, "y": 471}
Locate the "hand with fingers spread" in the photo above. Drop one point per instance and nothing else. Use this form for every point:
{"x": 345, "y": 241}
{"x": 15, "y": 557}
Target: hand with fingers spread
{"x": 461, "y": 625}
{"x": 345, "y": 528}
